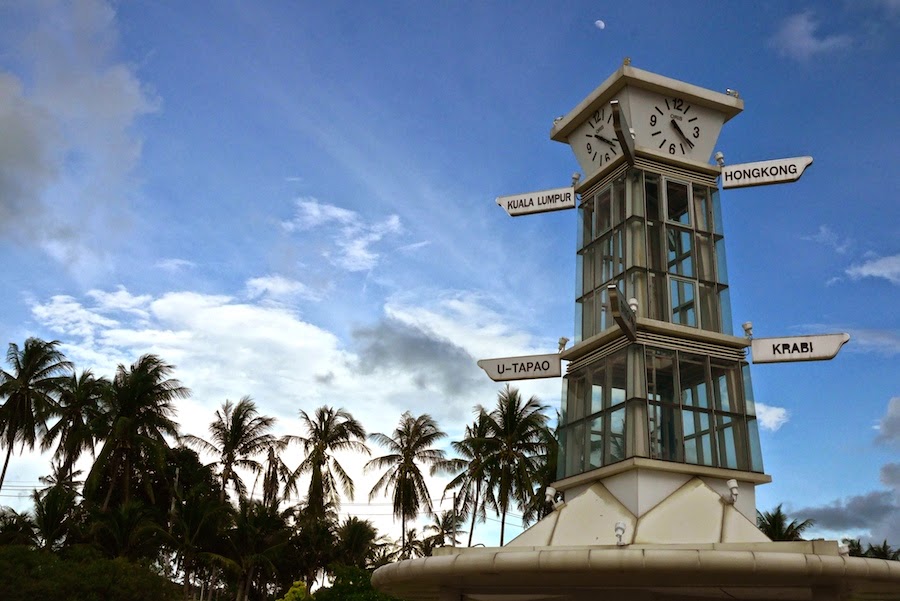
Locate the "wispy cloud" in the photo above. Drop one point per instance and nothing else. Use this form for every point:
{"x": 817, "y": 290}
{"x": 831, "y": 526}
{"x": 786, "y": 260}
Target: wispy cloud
{"x": 174, "y": 265}
{"x": 827, "y": 237}
{"x": 887, "y": 268}
{"x": 797, "y": 38}
{"x": 889, "y": 427}
{"x": 352, "y": 240}
{"x": 280, "y": 289}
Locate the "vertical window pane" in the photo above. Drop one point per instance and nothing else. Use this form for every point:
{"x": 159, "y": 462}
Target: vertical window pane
{"x": 660, "y": 375}
{"x": 679, "y": 258}
{"x": 651, "y": 190}
{"x": 717, "y": 210}
{"x": 579, "y": 312}
{"x": 618, "y": 252}
{"x": 654, "y": 245}
{"x": 587, "y": 316}
{"x": 617, "y": 435}
{"x": 697, "y": 438}
{"x": 635, "y": 197}
{"x": 725, "y": 311}
{"x": 656, "y": 292}
{"x": 721, "y": 270}
{"x": 603, "y": 209}
{"x": 587, "y": 270}
{"x": 664, "y": 435}
{"x": 709, "y": 308}
{"x": 706, "y": 266}
{"x": 596, "y": 442}
{"x": 677, "y": 202}
{"x": 702, "y": 212}
{"x": 682, "y": 294}
{"x": 692, "y": 372}
{"x": 619, "y": 201}
{"x": 749, "y": 404}
{"x": 725, "y": 439}
{"x": 597, "y": 386}
{"x": 575, "y": 449}
{"x": 637, "y": 248}
{"x": 587, "y": 222}
{"x": 756, "y": 463}
{"x": 726, "y": 380}
{"x": 617, "y": 377}
{"x": 575, "y": 409}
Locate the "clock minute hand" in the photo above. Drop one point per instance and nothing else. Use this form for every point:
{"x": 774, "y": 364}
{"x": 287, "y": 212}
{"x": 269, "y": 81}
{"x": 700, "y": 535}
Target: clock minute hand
{"x": 604, "y": 140}
{"x": 681, "y": 133}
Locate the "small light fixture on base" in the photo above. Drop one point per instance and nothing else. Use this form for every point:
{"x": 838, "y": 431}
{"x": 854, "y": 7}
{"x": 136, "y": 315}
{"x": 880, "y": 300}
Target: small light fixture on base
{"x": 620, "y": 532}
{"x": 733, "y": 488}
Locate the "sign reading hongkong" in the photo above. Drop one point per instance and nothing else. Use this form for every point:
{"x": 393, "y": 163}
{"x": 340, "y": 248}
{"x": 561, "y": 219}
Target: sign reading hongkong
{"x": 763, "y": 173}
{"x": 622, "y": 313}
{"x": 530, "y": 367}
{"x": 819, "y": 347}
{"x": 544, "y": 201}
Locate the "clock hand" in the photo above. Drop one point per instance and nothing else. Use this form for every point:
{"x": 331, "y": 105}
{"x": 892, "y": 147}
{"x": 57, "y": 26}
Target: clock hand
{"x": 602, "y": 139}
{"x": 681, "y": 133}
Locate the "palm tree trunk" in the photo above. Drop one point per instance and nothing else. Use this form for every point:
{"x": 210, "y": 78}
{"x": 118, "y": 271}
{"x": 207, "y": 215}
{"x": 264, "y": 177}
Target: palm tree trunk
{"x": 5, "y": 463}
{"x": 405, "y": 552}
{"x": 502, "y": 524}
{"x": 474, "y": 511}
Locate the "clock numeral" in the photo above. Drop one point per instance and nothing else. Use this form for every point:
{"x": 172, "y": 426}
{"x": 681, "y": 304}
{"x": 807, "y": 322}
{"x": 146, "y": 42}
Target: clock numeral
{"x": 672, "y": 149}
{"x": 606, "y": 157}
{"x": 677, "y": 103}
{"x": 696, "y": 132}
{"x": 653, "y": 120}
{"x": 589, "y": 148}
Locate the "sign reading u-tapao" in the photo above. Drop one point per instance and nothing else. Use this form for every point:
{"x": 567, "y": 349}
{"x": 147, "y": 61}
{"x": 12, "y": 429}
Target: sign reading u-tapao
{"x": 529, "y": 367}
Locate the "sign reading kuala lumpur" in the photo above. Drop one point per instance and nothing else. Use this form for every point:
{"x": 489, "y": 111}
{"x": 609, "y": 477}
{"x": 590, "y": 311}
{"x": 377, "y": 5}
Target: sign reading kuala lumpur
{"x": 544, "y": 201}
{"x": 797, "y": 348}
{"x": 530, "y": 367}
{"x": 763, "y": 173}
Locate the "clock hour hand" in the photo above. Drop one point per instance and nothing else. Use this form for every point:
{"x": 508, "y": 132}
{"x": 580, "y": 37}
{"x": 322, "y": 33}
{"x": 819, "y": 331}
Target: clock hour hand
{"x": 604, "y": 140}
{"x": 681, "y": 133}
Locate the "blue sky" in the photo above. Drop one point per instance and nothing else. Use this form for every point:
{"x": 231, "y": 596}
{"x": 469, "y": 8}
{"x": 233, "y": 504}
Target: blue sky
{"x": 295, "y": 201}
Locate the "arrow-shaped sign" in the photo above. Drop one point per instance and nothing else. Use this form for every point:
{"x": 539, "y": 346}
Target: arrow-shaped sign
{"x": 529, "y": 367}
{"x": 763, "y": 173}
{"x": 819, "y": 347}
{"x": 543, "y": 201}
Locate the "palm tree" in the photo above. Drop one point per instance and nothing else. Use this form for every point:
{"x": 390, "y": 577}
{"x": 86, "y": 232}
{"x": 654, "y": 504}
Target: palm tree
{"x": 356, "y": 541}
{"x": 774, "y": 524}
{"x": 54, "y": 513}
{"x": 255, "y": 540}
{"x": 443, "y": 530}
{"x": 275, "y": 474}
{"x": 36, "y": 373}
{"x": 538, "y": 507}
{"x": 138, "y": 416}
{"x": 517, "y": 439}
{"x": 328, "y": 432}
{"x": 238, "y": 434}
{"x": 410, "y": 446}
{"x": 883, "y": 551}
{"x": 79, "y": 412}
{"x": 16, "y": 528}
{"x": 472, "y": 450}
{"x": 854, "y": 546}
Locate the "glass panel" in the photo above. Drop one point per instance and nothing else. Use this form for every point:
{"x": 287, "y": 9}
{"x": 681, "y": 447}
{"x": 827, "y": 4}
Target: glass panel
{"x": 564, "y": 412}
{"x": 725, "y": 439}
{"x": 756, "y": 463}
{"x": 664, "y": 432}
{"x": 587, "y": 316}
{"x": 575, "y": 410}
{"x": 587, "y": 271}
{"x": 702, "y": 212}
{"x": 637, "y": 249}
{"x": 679, "y": 243}
{"x": 587, "y": 222}
{"x": 654, "y": 245}
{"x": 635, "y": 196}
{"x": 692, "y": 375}
{"x": 725, "y": 310}
{"x": 618, "y": 252}
{"x": 721, "y": 269}
{"x": 579, "y": 310}
{"x": 603, "y": 209}
{"x": 717, "y": 211}
{"x": 677, "y": 202}
{"x": 697, "y": 438}
{"x": 597, "y": 386}
{"x": 617, "y": 435}
{"x": 575, "y": 449}
{"x": 617, "y": 378}
{"x": 651, "y": 191}
{"x": 749, "y": 404}
{"x": 596, "y": 442}
{"x": 726, "y": 381}
{"x": 660, "y": 375}
{"x": 619, "y": 201}
{"x": 682, "y": 294}
{"x": 709, "y": 308}
{"x": 706, "y": 266}
{"x": 656, "y": 291}
{"x": 562, "y": 462}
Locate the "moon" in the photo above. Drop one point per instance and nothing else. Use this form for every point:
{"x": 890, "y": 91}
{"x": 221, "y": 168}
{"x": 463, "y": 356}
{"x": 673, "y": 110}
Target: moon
{"x": 599, "y": 24}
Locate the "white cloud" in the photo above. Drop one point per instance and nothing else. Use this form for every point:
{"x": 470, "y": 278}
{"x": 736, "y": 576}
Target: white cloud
{"x": 68, "y": 144}
{"x": 797, "y": 38}
{"x": 887, "y": 268}
{"x": 826, "y": 236}
{"x": 889, "y": 426}
{"x": 351, "y": 239}
{"x": 174, "y": 265}
{"x": 279, "y": 289}
{"x": 771, "y": 418}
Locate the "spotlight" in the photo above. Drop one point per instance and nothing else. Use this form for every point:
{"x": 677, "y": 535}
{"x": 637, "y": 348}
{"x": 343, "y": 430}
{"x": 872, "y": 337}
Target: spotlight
{"x": 620, "y": 532}
{"x": 748, "y": 328}
{"x": 720, "y": 159}
{"x": 563, "y": 341}
{"x": 732, "y": 93}
{"x": 733, "y": 487}
{"x": 550, "y": 494}
{"x": 576, "y": 177}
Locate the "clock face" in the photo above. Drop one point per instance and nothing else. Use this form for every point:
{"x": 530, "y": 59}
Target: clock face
{"x": 594, "y": 141}
{"x": 675, "y": 125}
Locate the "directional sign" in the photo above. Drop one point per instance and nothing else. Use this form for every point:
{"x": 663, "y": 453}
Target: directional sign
{"x": 544, "y": 201}
{"x": 622, "y": 313}
{"x": 530, "y": 367}
{"x": 819, "y": 347}
{"x": 763, "y": 173}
